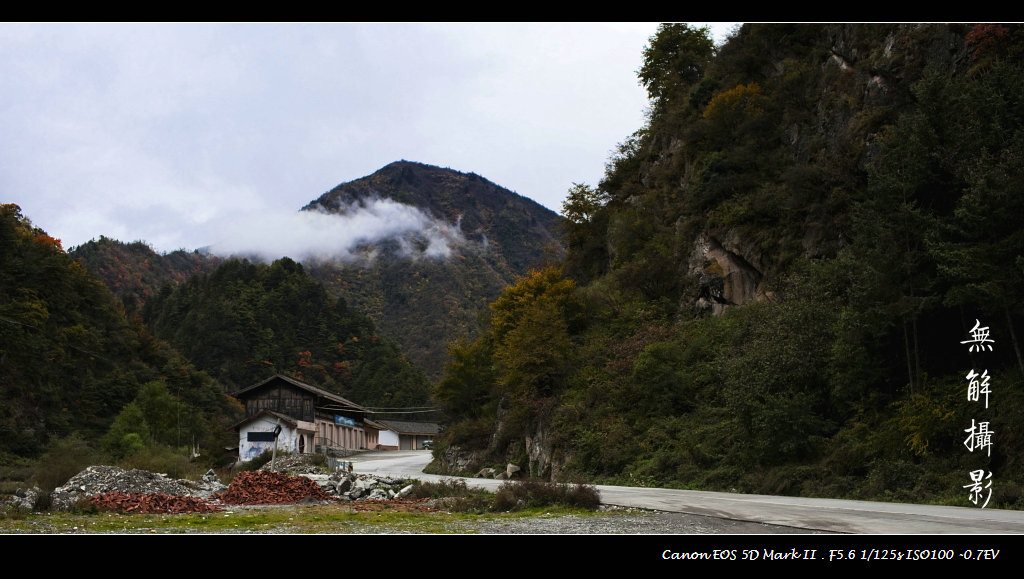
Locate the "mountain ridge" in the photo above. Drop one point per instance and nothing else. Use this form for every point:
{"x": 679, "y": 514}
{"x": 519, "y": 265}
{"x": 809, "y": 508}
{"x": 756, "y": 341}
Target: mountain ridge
{"x": 422, "y": 302}
{"x": 507, "y": 235}
{"x": 466, "y": 199}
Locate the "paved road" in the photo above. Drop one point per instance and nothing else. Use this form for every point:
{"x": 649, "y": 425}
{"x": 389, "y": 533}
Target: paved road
{"x": 817, "y": 514}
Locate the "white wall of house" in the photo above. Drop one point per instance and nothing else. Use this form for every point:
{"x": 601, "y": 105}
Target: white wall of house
{"x": 388, "y": 438}
{"x": 287, "y": 441}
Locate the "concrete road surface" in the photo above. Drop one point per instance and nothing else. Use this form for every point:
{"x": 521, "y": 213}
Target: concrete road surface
{"x": 814, "y": 514}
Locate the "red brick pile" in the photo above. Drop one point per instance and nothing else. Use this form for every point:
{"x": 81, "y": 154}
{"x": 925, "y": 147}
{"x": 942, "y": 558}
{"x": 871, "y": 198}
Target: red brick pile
{"x": 150, "y": 503}
{"x": 271, "y": 488}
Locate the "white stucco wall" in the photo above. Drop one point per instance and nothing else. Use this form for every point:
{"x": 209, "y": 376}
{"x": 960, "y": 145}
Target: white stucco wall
{"x": 286, "y": 441}
{"x": 388, "y": 438}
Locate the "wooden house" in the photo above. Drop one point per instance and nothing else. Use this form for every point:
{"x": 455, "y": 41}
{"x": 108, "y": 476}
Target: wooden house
{"x": 309, "y": 420}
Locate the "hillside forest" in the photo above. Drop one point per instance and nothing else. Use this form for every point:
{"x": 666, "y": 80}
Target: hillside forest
{"x": 775, "y": 287}
{"x": 226, "y": 323}
{"x": 146, "y": 379}
{"x": 803, "y": 275}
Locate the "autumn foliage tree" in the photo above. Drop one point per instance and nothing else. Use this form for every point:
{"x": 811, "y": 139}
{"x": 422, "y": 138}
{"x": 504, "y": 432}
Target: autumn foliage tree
{"x": 518, "y": 366}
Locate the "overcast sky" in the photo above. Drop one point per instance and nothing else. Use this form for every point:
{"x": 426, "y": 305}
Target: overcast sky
{"x": 168, "y": 133}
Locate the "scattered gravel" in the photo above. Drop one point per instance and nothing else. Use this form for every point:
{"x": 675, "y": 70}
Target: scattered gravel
{"x": 631, "y": 522}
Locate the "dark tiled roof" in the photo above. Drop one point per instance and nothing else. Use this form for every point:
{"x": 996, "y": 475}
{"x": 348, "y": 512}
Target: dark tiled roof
{"x": 288, "y": 420}
{"x": 319, "y": 392}
{"x": 374, "y": 424}
{"x": 408, "y": 427}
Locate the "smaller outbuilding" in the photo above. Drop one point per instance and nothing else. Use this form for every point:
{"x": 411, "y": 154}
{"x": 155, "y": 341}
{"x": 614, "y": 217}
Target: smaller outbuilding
{"x": 410, "y": 435}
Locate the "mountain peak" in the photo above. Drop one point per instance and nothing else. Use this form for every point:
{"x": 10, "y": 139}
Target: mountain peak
{"x": 520, "y": 226}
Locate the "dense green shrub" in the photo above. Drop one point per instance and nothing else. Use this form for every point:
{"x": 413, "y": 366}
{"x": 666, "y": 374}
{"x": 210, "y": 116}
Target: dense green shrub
{"x": 449, "y": 487}
{"x": 454, "y": 494}
{"x": 63, "y": 459}
{"x": 512, "y": 495}
{"x": 163, "y": 459}
{"x": 515, "y": 495}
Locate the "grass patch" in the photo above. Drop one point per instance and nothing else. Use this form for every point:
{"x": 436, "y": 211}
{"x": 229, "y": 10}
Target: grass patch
{"x": 335, "y": 518}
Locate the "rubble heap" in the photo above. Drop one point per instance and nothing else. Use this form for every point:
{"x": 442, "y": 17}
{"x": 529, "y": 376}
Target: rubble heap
{"x": 95, "y": 480}
{"x": 111, "y": 487}
{"x": 353, "y": 487}
{"x": 151, "y": 503}
{"x": 271, "y": 488}
{"x": 24, "y": 499}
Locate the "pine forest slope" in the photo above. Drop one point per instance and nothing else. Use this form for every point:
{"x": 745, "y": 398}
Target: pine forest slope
{"x": 70, "y": 361}
{"x": 245, "y": 321}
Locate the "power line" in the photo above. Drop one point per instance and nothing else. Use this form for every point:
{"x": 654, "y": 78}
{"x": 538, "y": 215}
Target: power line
{"x": 407, "y": 412}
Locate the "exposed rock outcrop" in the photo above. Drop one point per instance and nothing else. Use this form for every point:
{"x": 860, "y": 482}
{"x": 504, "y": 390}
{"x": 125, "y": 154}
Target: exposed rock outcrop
{"x": 726, "y": 275}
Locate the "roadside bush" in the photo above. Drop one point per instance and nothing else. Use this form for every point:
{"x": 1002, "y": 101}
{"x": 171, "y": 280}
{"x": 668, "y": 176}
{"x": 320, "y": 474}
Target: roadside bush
{"x": 15, "y": 473}
{"x": 456, "y": 496}
{"x": 449, "y": 487}
{"x": 532, "y": 494}
{"x": 162, "y": 459}
{"x": 64, "y": 458}
{"x": 583, "y": 496}
{"x": 453, "y": 495}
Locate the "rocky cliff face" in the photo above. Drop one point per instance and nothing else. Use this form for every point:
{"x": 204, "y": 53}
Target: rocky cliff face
{"x": 743, "y": 197}
{"x": 725, "y": 276}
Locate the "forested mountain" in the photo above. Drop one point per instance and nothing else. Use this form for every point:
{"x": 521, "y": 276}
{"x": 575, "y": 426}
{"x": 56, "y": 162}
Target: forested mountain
{"x": 774, "y": 287}
{"x": 245, "y": 321}
{"x": 421, "y": 302}
{"x": 70, "y": 361}
{"x": 134, "y": 272}
{"x": 427, "y": 303}
{"x": 517, "y": 228}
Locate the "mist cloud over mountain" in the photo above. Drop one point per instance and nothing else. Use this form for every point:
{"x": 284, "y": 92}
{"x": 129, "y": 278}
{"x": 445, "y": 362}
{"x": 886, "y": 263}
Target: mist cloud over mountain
{"x": 344, "y": 234}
